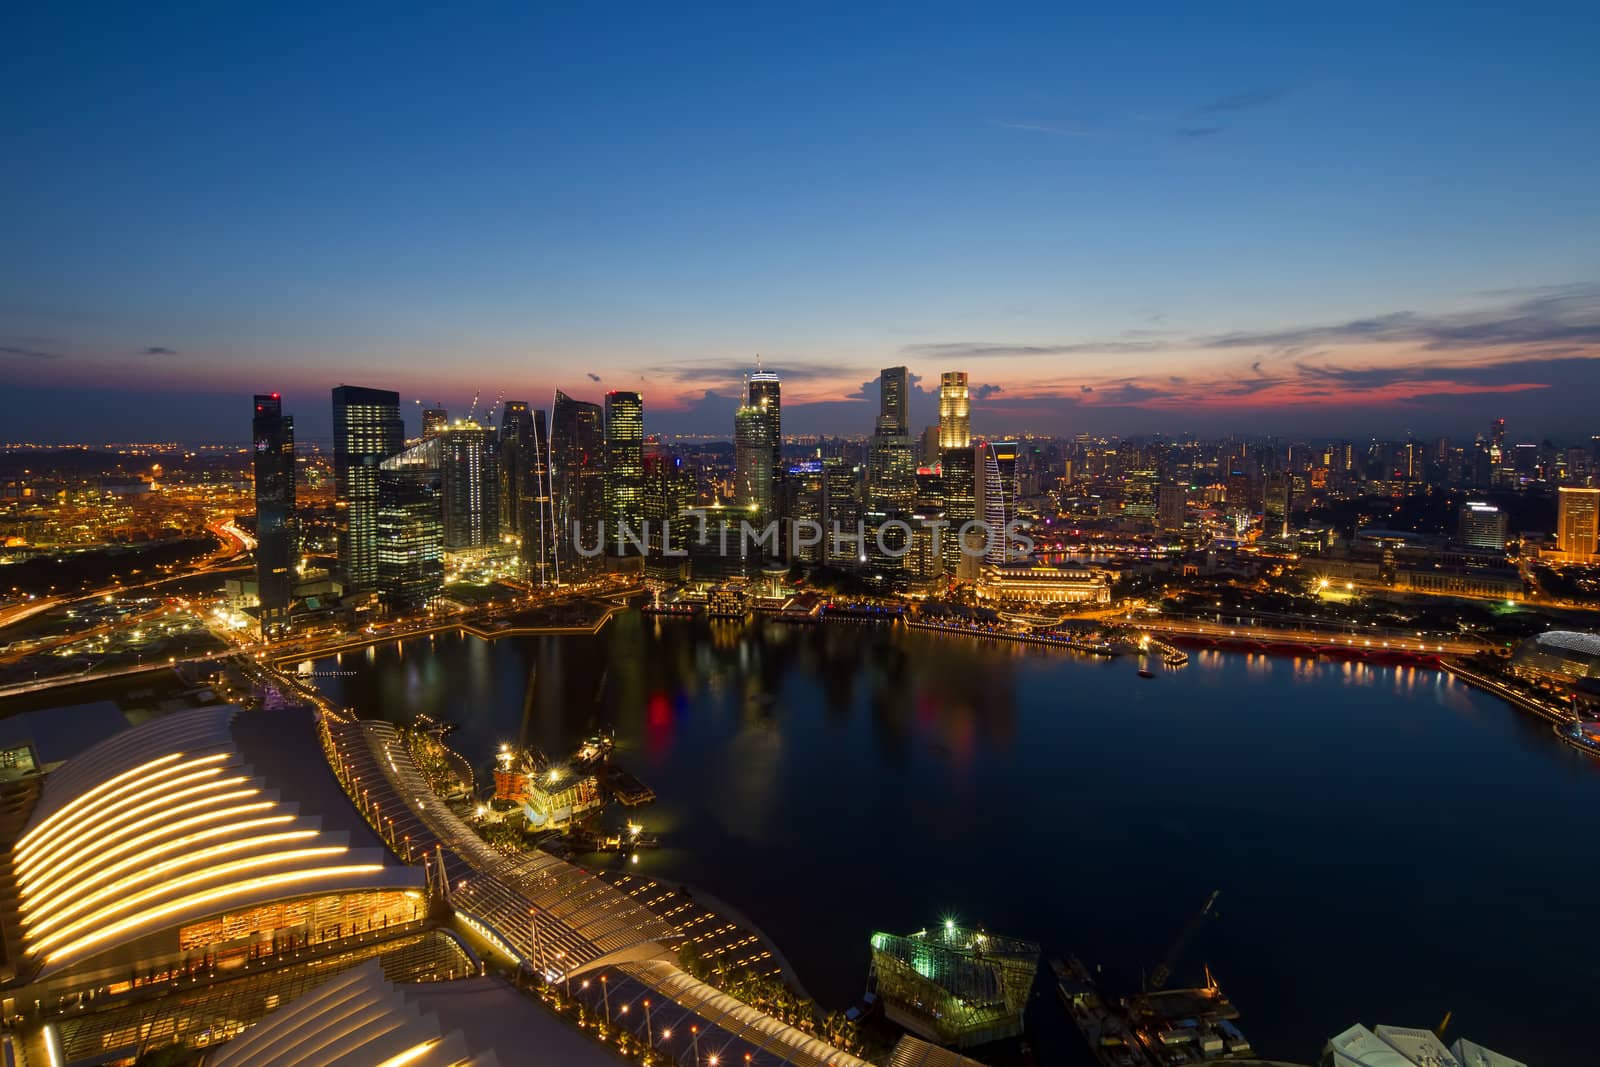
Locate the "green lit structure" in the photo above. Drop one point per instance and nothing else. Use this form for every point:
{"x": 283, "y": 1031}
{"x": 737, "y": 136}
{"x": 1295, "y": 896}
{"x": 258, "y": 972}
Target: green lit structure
{"x": 953, "y": 985}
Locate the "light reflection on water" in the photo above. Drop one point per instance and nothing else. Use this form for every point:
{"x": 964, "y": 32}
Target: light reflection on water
{"x": 1365, "y": 822}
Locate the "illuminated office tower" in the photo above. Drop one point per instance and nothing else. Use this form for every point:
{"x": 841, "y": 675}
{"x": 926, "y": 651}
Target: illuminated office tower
{"x": 752, "y": 460}
{"x": 1481, "y": 525}
{"x": 471, "y": 482}
{"x": 366, "y": 430}
{"x": 276, "y": 547}
{"x": 805, "y": 504}
{"x": 894, "y": 386}
{"x": 669, "y": 490}
{"x": 516, "y": 447}
{"x": 891, "y": 467}
{"x": 624, "y": 464}
{"x": 1139, "y": 494}
{"x": 538, "y": 518}
{"x": 996, "y": 487}
{"x": 1277, "y": 500}
{"x": 959, "y": 482}
{"x": 841, "y": 503}
{"x": 434, "y": 420}
{"x": 1172, "y": 503}
{"x": 955, "y": 411}
{"x": 765, "y": 393}
{"x": 577, "y": 480}
{"x": 411, "y": 525}
{"x": 1578, "y": 522}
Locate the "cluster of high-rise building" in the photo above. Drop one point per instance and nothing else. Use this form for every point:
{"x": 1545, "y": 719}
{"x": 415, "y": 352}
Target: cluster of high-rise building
{"x": 543, "y": 485}
{"x": 571, "y": 491}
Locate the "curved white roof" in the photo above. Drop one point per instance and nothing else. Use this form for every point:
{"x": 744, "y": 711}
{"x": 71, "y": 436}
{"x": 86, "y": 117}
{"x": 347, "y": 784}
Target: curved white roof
{"x": 168, "y": 822}
{"x": 361, "y": 1019}
{"x": 1571, "y": 641}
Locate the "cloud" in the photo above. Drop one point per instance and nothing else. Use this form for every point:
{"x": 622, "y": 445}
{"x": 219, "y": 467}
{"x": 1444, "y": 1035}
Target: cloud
{"x": 1567, "y": 314}
{"x": 158, "y": 350}
{"x": 28, "y": 353}
{"x": 984, "y": 392}
{"x": 987, "y": 349}
{"x": 1085, "y": 388}
{"x": 593, "y": 377}
{"x": 1057, "y": 128}
{"x": 1198, "y": 131}
{"x": 1245, "y": 101}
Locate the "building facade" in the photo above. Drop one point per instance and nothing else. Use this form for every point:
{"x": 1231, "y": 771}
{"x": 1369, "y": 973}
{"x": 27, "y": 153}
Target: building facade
{"x": 624, "y": 464}
{"x": 577, "y": 477}
{"x": 276, "y": 542}
{"x": 366, "y": 430}
{"x": 1578, "y": 522}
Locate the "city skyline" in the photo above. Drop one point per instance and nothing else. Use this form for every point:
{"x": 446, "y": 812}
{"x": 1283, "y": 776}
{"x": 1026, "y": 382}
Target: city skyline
{"x": 1112, "y": 223}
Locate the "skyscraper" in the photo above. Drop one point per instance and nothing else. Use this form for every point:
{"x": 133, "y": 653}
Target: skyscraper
{"x": 273, "y": 434}
{"x": 411, "y": 525}
{"x": 516, "y": 454}
{"x": 955, "y": 410}
{"x": 366, "y": 430}
{"x": 894, "y": 385}
{"x": 1578, "y": 522}
{"x": 752, "y": 460}
{"x": 538, "y": 518}
{"x": 434, "y": 420}
{"x": 1172, "y": 502}
{"x": 891, "y": 468}
{"x": 959, "y": 482}
{"x": 577, "y": 480}
{"x": 997, "y": 495}
{"x": 624, "y": 464}
{"x": 765, "y": 393}
{"x": 471, "y": 481}
{"x": 1481, "y": 525}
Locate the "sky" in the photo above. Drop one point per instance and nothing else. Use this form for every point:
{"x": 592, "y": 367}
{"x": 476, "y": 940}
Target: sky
{"x": 1287, "y": 219}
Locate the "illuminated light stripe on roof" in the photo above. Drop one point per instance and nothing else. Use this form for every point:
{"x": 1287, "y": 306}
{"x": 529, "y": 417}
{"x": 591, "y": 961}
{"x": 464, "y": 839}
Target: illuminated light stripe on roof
{"x": 58, "y": 915}
{"x": 221, "y": 870}
{"x": 32, "y": 838}
{"x": 97, "y": 827}
{"x": 410, "y": 1055}
{"x": 210, "y": 896}
{"x": 42, "y": 887}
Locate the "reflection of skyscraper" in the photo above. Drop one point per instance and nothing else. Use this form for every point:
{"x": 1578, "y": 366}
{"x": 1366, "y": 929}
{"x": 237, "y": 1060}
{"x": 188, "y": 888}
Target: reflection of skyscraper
{"x": 955, "y": 410}
{"x": 577, "y": 478}
{"x": 471, "y": 487}
{"x": 997, "y": 494}
{"x": 624, "y": 463}
{"x": 366, "y": 430}
{"x": 273, "y": 433}
{"x": 411, "y": 525}
{"x": 1578, "y": 521}
{"x": 516, "y": 453}
{"x": 752, "y": 459}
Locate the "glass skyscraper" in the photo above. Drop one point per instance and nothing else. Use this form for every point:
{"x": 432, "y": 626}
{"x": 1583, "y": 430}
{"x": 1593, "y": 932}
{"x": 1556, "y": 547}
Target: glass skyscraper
{"x": 577, "y": 476}
{"x": 273, "y": 435}
{"x": 471, "y": 487}
{"x": 366, "y": 430}
{"x": 624, "y": 464}
{"x": 411, "y": 525}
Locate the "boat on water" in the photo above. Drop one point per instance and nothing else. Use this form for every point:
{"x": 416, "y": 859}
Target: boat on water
{"x": 1145, "y": 672}
{"x": 1165, "y": 1028}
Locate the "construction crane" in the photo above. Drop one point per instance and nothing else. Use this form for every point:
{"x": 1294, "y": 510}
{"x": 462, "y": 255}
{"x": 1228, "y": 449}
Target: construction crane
{"x": 1163, "y": 971}
{"x": 473, "y": 409}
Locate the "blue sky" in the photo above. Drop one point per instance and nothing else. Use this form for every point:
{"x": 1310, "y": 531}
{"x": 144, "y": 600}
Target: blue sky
{"x": 1276, "y": 218}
